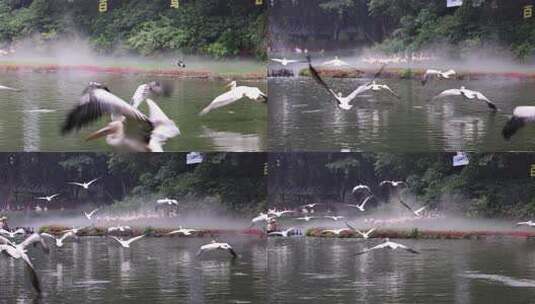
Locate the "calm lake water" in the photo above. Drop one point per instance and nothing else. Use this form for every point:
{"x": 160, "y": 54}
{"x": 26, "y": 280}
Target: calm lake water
{"x": 153, "y": 270}
{"x": 25, "y": 127}
{"x": 301, "y": 117}
{"x": 314, "y": 270}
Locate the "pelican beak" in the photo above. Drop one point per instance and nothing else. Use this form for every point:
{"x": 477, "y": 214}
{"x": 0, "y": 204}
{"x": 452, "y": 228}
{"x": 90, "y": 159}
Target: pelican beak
{"x": 100, "y": 133}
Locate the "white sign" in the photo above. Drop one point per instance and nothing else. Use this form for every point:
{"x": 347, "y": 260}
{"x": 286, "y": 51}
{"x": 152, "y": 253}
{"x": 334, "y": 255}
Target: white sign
{"x": 193, "y": 158}
{"x": 461, "y": 159}
{"x": 454, "y": 3}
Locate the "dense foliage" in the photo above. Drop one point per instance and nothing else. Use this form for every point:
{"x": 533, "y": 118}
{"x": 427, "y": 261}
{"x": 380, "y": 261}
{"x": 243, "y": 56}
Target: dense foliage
{"x": 496, "y": 184}
{"x": 234, "y": 180}
{"x": 218, "y": 28}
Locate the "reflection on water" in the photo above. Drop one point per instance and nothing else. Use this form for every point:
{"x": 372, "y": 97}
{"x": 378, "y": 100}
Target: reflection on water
{"x": 302, "y": 118}
{"x": 164, "y": 270}
{"x": 31, "y": 119}
{"x": 318, "y": 270}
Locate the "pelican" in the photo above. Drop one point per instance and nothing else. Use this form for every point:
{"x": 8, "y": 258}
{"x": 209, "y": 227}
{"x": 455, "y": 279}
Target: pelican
{"x": 394, "y": 184}
{"x": 260, "y": 218}
{"x": 310, "y": 206}
{"x": 84, "y": 185}
{"x": 528, "y": 223}
{"x": 119, "y": 228}
{"x": 59, "y": 241}
{"x": 437, "y": 73}
{"x": 126, "y": 244}
{"x": 284, "y": 233}
{"x": 74, "y": 230}
{"x": 47, "y": 198}
{"x": 17, "y": 251}
{"x": 217, "y": 246}
{"x": 146, "y": 90}
{"x": 361, "y": 206}
{"x": 279, "y": 213}
{"x": 285, "y": 61}
{"x": 167, "y": 201}
{"x": 379, "y": 87}
{"x": 361, "y": 187}
{"x": 388, "y": 245}
{"x": 521, "y": 116}
{"x": 306, "y": 218}
{"x": 415, "y": 212}
{"x": 236, "y": 93}
{"x": 334, "y": 217}
{"x": 13, "y": 234}
{"x": 335, "y": 231}
{"x": 336, "y": 62}
{"x": 4, "y": 88}
{"x": 163, "y": 127}
{"x": 184, "y": 231}
{"x": 90, "y": 214}
{"x": 468, "y": 95}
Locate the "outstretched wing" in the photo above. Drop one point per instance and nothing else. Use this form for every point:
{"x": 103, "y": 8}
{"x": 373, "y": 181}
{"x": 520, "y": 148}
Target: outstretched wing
{"x": 319, "y": 80}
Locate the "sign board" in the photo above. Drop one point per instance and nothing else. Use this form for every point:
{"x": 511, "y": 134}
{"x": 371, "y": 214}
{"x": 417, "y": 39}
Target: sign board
{"x": 454, "y": 3}
{"x": 194, "y": 158}
{"x": 461, "y": 159}
{"x": 103, "y": 6}
{"x": 532, "y": 171}
{"x": 527, "y": 11}
{"x": 175, "y": 4}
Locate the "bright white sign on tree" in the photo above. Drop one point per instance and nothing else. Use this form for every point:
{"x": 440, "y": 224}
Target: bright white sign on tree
{"x": 454, "y": 3}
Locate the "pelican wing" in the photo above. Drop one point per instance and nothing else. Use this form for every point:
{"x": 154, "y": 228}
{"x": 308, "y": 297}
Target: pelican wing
{"x": 351, "y": 227}
{"x": 447, "y": 93}
{"x": 232, "y": 252}
{"x": 92, "y": 181}
{"x": 35, "y": 239}
{"x": 76, "y": 184}
{"x": 130, "y": 241}
{"x": 319, "y": 80}
{"x": 221, "y": 101}
{"x": 365, "y": 201}
{"x": 33, "y": 275}
{"x": 489, "y": 103}
{"x": 5, "y": 241}
{"x": 9, "y": 89}
{"x": 361, "y": 89}
{"x": 254, "y": 93}
{"x": 389, "y": 90}
{"x": 448, "y": 73}
{"x": 164, "y": 128}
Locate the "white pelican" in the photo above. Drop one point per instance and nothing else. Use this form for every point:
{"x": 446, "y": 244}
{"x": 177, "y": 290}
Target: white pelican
{"x": 119, "y": 228}
{"x": 184, "y": 231}
{"x": 90, "y": 214}
{"x": 468, "y": 95}
{"x": 13, "y": 234}
{"x": 217, "y": 246}
{"x": 334, "y": 217}
{"x": 236, "y": 93}
{"x": 59, "y": 241}
{"x": 336, "y": 62}
{"x": 359, "y": 188}
{"x": 310, "y": 206}
{"x": 17, "y": 251}
{"x": 335, "y": 231}
{"x": 306, "y": 218}
{"x": 361, "y": 206}
{"x": 437, "y": 73}
{"x": 47, "y": 198}
{"x": 388, "y": 245}
{"x": 394, "y": 184}
{"x": 277, "y": 213}
{"x": 126, "y": 243}
{"x": 74, "y": 230}
{"x": 415, "y": 212}
{"x": 84, "y": 184}
{"x": 153, "y": 88}
{"x": 4, "y": 88}
{"x": 285, "y": 61}
{"x": 521, "y": 116}
{"x": 379, "y": 87}
{"x": 260, "y": 218}
{"x": 167, "y": 201}
{"x": 284, "y": 233}
{"x": 163, "y": 127}
{"x": 528, "y": 223}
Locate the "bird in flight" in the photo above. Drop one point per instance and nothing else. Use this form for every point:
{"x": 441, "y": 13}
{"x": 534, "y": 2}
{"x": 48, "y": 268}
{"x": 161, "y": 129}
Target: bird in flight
{"x": 388, "y": 245}
{"x": 84, "y": 185}
{"x": 48, "y": 198}
{"x": 217, "y": 246}
{"x": 126, "y": 243}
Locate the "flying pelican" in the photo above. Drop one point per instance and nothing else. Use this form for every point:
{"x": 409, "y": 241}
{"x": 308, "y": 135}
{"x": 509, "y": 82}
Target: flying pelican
{"x": 310, "y": 206}
{"x": 284, "y": 233}
{"x": 90, "y": 214}
{"x": 59, "y": 241}
{"x": 361, "y": 187}
{"x": 119, "y": 228}
{"x": 47, "y": 198}
{"x": 167, "y": 201}
{"x": 361, "y": 206}
{"x": 236, "y": 93}
{"x": 260, "y": 218}
{"x": 437, "y": 73}
{"x": 468, "y": 95}
{"x": 394, "y": 184}
{"x": 279, "y": 213}
{"x": 217, "y": 246}
{"x": 4, "y": 88}
{"x": 336, "y": 62}
{"x": 415, "y": 212}
{"x": 528, "y": 223}
{"x": 126, "y": 244}
{"x": 388, "y": 245}
{"x": 335, "y": 231}
{"x": 146, "y": 90}
{"x": 306, "y": 218}
{"x": 163, "y": 127}
{"x": 521, "y": 116}
{"x": 184, "y": 231}
{"x": 334, "y": 217}
{"x": 285, "y": 61}
{"x": 13, "y": 234}
{"x": 74, "y": 230}
{"x": 84, "y": 184}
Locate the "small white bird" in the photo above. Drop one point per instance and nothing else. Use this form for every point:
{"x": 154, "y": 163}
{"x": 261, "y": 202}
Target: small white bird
{"x": 521, "y": 116}
{"x": 119, "y": 228}
{"x": 388, "y": 245}
{"x": 90, "y": 214}
{"x": 184, "y": 231}
{"x": 13, "y": 234}
{"x": 360, "y": 188}
{"x": 260, "y": 218}
{"x": 361, "y": 206}
{"x": 236, "y": 93}
{"x": 84, "y": 185}
{"x": 335, "y": 231}
{"x": 306, "y": 218}
{"x": 217, "y": 246}
{"x": 468, "y": 95}
{"x": 394, "y": 184}
{"x": 336, "y": 62}
{"x": 48, "y": 198}
{"x": 365, "y": 235}
{"x": 285, "y": 61}
{"x": 284, "y": 233}
{"x": 528, "y": 223}
{"x": 415, "y": 212}
{"x": 126, "y": 243}
{"x": 167, "y": 201}
{"x": 60, "y": 240}
{"x": 438, "y": 74}
{"x": 334, "y": 217}
{"x": 74, "y": 230}
{"x": 277, "y": 213}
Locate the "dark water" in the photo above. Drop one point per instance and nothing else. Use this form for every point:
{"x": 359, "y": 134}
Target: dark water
{"x": 238, "y": 127}
{"x": 313, "y": 270}
{"x": 301, "y": 118}
{"x": 163, "y": 270}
